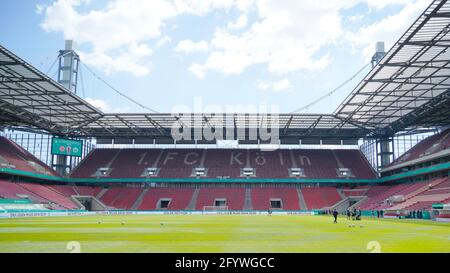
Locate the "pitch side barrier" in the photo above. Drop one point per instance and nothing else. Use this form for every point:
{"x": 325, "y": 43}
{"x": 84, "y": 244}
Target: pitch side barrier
{"x": 59, "y": 213}
{"x": 444, "y": 214}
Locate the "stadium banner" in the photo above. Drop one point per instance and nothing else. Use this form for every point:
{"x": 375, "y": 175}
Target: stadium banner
{"x": 14, "y": 201}
{"x": 156, "y": 212}
{"x": 69, "y": 147}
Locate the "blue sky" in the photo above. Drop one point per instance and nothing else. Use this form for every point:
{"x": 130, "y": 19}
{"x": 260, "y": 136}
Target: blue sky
{"x": 165, "y": 53}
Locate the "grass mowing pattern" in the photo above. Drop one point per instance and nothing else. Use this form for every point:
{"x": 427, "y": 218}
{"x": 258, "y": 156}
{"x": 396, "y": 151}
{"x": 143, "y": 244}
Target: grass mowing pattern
{"x": 220, "y": 233}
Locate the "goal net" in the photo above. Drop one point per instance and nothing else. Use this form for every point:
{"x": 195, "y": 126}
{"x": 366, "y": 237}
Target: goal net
{"x": 214, "y": 208}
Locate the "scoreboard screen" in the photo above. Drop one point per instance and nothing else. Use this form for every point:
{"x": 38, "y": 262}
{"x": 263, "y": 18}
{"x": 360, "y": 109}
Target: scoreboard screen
{"x": 69, "y": 147}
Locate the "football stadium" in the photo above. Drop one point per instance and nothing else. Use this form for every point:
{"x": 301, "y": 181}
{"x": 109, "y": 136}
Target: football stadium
{"x": 370, "y": 176}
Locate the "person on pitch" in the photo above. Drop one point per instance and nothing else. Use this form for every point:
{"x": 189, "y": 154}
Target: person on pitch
{"x": 335, "y": 215}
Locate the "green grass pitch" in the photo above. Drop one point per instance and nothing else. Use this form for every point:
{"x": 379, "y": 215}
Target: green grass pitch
{"x": 221, "y": 233}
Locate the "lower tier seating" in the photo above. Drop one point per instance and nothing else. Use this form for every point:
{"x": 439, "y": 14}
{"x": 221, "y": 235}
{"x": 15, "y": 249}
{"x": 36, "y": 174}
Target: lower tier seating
{"x": 234, "y": 197}
{"x": 317, "y": 198}
{"x": 407, "y": 196}
{"x": 262, "y": 197}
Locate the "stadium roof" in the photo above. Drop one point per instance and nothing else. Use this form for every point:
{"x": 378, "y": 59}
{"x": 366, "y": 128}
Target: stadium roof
{"x": 159, "y": 125}
{"x": 408, "y": 89}
{"x": 410, "y": 85}
{"x": 29, "y": 97}
{"x": 31, "y": 100}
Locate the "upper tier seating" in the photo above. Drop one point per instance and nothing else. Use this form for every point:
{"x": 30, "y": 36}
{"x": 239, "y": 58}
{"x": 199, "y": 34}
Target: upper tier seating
{"x": 357, "y": 163}
{"x": 317, "y": 163}
{"x": 222, "y": 163}
{"x": 99, "y": 158}
{"x": 179, "y": 163}
{"x": 12, "y": 156}
{"x": 125, "y": 164}
{"x": 279, "y": 162}
{"x": 428, "y": 146}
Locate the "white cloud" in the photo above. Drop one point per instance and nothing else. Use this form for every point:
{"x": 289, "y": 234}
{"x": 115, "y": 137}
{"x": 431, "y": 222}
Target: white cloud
{"x": 124, "y": 61}
{"x": 197, "y": 70}
{"x": 287, "y": 37}
{"x": 104, "y": 106}
{"x": 98, "y": 103}
{"x": 119, "y": 33}
{"x": 241, "y": 22}
{"x": 380, "y": 4}
{"x": 356, "y": 17}
{"x": 283, "y": 36}
{"x": 188, "y": 46}
{"x": 282, "y": 85}
{"x": 163, "y": 41}
{"x": 291, "y": 36}
{"x": 263, "y": 85}
{"x": 276, "y": 86}
{"x": 388, "y": 29}
{"x": 40, "y": 8}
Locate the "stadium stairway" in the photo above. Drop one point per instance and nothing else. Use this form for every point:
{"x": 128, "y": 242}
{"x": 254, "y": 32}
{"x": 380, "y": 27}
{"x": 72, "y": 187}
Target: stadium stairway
{"x": 301, "y": 200}
{"x": 346, "y": 203}
{"x": 359, "y": 203}
{"x": 248, "y": 199}
{"x": 192, "y": 204}
{"x": 138, "y": 202}
{"x": 111, "y": 162}
{"x": 341, "y": 194}
{"x": 338, "y": 161}
{"x": 101, "y": 193}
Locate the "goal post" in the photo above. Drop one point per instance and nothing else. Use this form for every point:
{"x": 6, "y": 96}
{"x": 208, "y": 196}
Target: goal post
{"x": 207, "y": 209}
